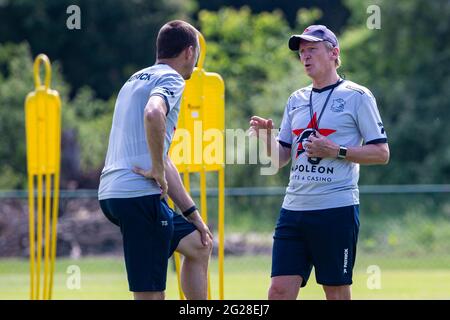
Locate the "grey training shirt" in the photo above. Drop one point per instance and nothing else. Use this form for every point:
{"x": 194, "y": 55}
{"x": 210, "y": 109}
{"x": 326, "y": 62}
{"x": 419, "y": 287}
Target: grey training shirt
{"x": 127, "y": 146}
{"x": 350, "y": 118}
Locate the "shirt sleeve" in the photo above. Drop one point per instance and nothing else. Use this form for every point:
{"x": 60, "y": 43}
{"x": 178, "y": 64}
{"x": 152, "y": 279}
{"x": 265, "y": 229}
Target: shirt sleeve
{"x": 170, "y": 87}
{"x": 369, "y": 121}
{"x": 285, "y": 134}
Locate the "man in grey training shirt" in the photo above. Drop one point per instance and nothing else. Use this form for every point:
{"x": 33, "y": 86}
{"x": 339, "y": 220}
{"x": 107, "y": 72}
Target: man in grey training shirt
{"x": 328, "y": 129}
{"x": 138, "y": 173}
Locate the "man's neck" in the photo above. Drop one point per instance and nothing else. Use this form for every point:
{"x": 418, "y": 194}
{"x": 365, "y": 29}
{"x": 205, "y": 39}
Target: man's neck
{"x": 325, "y": 81}
{"x": 171, "y": 63}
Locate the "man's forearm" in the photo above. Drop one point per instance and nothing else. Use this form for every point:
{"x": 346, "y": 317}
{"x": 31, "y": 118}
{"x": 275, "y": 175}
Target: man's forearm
{"x": 155, "y": 130}
{"x": 320, "y": 146}
{"x": 278, "y": 154}
{"x": 176, "y": 191}
{"x": 369, "y": 154}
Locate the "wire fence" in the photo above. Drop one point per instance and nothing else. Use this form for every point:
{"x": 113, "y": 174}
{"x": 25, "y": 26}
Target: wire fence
{"x": 403, "y": 247}
{"x": 408, "y": 222}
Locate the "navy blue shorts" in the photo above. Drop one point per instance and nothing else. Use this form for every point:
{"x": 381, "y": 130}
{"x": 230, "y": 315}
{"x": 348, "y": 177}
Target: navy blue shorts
{"x": 325, "y": 239}
{"x": 151, "y": 232}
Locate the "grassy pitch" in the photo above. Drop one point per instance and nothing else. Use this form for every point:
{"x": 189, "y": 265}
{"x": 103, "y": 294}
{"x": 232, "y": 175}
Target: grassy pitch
{"x": 246, "y": 277}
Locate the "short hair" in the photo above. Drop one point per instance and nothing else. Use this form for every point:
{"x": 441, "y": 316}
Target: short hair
{"x": 174, "y": 37}
{"x": 330, "y": 47}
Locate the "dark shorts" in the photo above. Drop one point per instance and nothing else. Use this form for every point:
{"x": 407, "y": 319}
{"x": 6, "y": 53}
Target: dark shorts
{"x": 151, "y": 232}
{"x": 325, "y": 239}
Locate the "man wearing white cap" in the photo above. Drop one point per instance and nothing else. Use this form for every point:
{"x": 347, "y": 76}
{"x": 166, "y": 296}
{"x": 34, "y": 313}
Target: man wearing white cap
{"x": 328, "y": 129}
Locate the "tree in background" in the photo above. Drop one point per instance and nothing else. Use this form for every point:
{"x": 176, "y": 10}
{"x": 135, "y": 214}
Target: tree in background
{"x": 249, "y": 51}
{"x": 260, "y": 72}
{"x": 405, "y": 64}
{"x": 84, "y": 136}
{"x": 116, "y": 38}
{"x": 335, "y": 14}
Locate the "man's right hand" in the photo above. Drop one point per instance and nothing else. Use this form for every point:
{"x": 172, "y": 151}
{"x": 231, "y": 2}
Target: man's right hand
{"x": 258, "y": 123}
{"x": 158, "y": 175}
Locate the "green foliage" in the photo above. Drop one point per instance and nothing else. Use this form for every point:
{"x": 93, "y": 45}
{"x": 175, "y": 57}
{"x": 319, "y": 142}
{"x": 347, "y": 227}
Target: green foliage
{"x": 335, "y": 14}
{"x": 307, "y": 17}
{"x": 405, "y": 65}
{"x": 90, "y": 118}
{"x": 260, "y": 72}
{"x": 93, "y": 125}
{"x": 116, "y": 37}
{"x": 15, "y": 84}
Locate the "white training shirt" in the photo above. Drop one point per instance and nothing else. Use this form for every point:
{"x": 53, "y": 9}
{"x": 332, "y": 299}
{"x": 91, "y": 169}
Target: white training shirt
{"x": 127, "y": 146}
{"x": 351, "y": 118}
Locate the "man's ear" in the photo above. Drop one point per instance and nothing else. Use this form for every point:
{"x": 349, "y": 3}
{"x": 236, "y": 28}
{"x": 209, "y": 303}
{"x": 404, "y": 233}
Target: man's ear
{"x": 335, "y": 52}
{"x": 189, "y": 52}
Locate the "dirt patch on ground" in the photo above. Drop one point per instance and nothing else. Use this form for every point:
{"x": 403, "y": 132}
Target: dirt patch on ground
{"x": 83, "y": 230}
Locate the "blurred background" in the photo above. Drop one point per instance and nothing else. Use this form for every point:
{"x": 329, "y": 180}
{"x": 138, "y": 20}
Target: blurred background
{"x": 402, "y": 55}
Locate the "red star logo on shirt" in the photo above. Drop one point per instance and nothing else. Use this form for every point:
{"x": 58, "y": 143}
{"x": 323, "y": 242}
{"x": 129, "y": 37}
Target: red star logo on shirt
{"x": 304, "y": 133}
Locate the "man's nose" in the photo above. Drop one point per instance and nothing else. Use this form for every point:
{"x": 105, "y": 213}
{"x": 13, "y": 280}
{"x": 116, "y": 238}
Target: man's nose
{"x": 305, "y": 57}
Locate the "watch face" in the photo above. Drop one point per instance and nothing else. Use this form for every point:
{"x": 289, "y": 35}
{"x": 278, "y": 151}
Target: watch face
{"x": 342, "y": 152}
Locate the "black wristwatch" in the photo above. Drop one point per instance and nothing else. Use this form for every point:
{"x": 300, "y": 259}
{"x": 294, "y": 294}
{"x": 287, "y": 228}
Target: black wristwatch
{"x": 342, "y": 152}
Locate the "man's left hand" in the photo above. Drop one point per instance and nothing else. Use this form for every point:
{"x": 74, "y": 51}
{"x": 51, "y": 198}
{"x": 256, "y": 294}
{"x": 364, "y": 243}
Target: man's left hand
{"x": 197, "y": 221}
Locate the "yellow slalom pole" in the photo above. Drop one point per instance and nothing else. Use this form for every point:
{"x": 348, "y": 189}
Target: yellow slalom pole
{"x": 221, "y": 223}
{"x": 204, "y": 212}
{"x": 203, "y": 100}
{"x": 47, "y": 237}
{"x": 54, "y": 228}
{"x": 47, "y": 216}
{"x": 203, "y": 204}
{"x": 46, "y": 157}
{"x": 187, "y": 185}
{"x": 43, "y": 139}
{"x": 177, "y": 259}
{"x": 40, "y": 128}
{"x": 32, "y": 235}
{"x": 186, "y": 181}
{"x": 39, "y": 236}
{"x": 55, "y": 206}
{"x": 178, "y": 268}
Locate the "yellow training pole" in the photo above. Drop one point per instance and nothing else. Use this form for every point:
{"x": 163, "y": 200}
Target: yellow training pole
{"x": 187, "y": 185}
{"x": 54, "y": 135}
{"x": 204, "y": 212}
{"x": 178, "y": 268}
{"x": 32, "y": 236}
{"x": 39, "y": 236}
{"x": 47, "y": 247}
{"x": 177, "y": 258}
{"x": 43, "y": 139}
{"x": 202, "y": 114}
{"x": 221, "y": 223}
{"x": 203, "y": 202}
{"x": 186, "y": 181}
{"x": 203, "y": 205}
{"x": 47, "y": 236}
{"x": 54, "y": 228}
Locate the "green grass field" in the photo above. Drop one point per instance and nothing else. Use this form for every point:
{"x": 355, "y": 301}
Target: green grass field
{"x": 248, "y": 277}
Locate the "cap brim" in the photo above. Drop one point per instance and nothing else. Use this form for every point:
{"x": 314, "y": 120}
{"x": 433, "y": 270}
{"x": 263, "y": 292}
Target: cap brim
{"x": 294, "y": 41}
